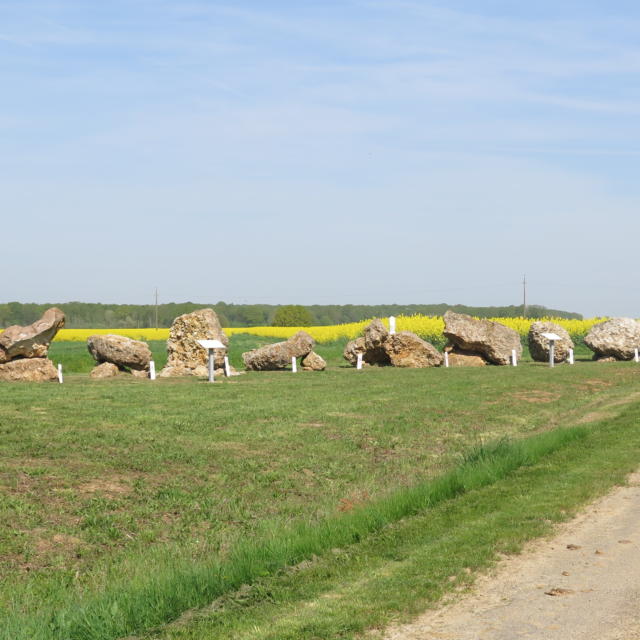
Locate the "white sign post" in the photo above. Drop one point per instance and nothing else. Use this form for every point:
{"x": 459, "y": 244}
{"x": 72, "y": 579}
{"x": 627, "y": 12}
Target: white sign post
{"x": 152, "y": 370}
{"x": 514, "y": 358}
{"x": 227, "y": 368}
{"x": 294, "y": 365}
{"x": 211, "y": 346}
{"x": 60, "y": 378}
{"x": 571, "y": 358}
{"x": 551, "y": 337}
{"x": 392, "y": 324}
{"x": 636, "y": 357}
{"x": 446, "y": 358}
{"x": 359, "y": 361}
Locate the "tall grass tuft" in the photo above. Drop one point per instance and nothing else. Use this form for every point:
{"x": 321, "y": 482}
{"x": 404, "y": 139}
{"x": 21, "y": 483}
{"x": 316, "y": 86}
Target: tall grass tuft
{"x": 175, "y": 586}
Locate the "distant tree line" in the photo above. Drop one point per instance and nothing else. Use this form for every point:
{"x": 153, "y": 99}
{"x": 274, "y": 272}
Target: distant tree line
{"x": 114, "y": 316}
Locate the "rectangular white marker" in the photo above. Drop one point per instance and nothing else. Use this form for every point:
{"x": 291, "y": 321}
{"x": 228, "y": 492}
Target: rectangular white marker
{"x": 636, "y": 357}
{"x": 227, "y": 369}
{"x": 514, "y": 358}
{"x": 60, "y": 378}
{"x": 359, "y": 361}
{"x": 571, "y": 359}
{"x": 392, "y": 324}
{"x": 294, "y": 365}
{"x": 152, "y": 370}
{"x": 446, "y": 358}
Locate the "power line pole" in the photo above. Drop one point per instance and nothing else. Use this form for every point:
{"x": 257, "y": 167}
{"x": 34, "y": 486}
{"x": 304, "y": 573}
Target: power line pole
{"x": 156, "y": 308}
{"x": 524, "y": 296}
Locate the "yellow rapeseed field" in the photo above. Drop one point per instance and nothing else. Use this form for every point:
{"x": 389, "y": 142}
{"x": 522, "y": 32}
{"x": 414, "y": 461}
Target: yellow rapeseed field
{"x": 428, "y": 327}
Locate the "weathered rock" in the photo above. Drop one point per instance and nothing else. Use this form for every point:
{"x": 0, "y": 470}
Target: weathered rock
{"x": 375, "y": 337}
{"x": 313, "y": 362}
{"x": 539, "y": 345}
{"x": 31, "y": 341}
{"x": 104, "y": 370}
{"x": 29, "y": 370}
{"x": 616, "y": 338}
{"x": 406, "y": 349}
{"x": 120, "y": 350}
{"x": 375, "y": 334}
{"x": 185, "y": 356}
{"x": 605, "y": 359}
{"x": 278, "y": 356}
{"x": 465, "y": 359}
{"x": 352, "y": 349}
{"x": 492, "y": 340}
{"x": 140, "y": 373}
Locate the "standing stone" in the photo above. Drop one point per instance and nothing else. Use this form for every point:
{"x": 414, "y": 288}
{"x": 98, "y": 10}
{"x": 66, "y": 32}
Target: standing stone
{"x": 276, "y": 356}
{"x": 375, "y": 337}
{"x": 352, "y": 349}
{"x": 313, "y": 362}
{"x": 29, "y": 370}
{"x": 616, "y": 338}
{"x": 539, "y": 345}
{"x": 32, "y": 341}
{"x": 492, "y": 340}
{"x": 185, "y": 355}
{"x": 121, "y": 351}
{"x": 406, "y": 349}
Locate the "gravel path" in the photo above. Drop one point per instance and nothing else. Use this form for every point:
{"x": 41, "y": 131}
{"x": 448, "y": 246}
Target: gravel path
{"x": 584, "y": 583}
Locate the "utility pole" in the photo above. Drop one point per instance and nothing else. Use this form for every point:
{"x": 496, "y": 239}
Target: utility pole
{"x": 524, "y": 296}
{"x": 156, "y": 308}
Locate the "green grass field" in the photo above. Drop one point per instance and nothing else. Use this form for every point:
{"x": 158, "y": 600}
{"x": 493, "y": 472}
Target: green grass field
{"x": 274, "y": 505}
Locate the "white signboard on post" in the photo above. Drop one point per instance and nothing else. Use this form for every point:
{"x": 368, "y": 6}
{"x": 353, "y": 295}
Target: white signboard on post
{"x": 551, "y": 337}
{"x": 211, "y": 346}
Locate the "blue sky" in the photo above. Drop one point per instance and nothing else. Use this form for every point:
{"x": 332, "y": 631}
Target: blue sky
{"x": 321, "y": 152}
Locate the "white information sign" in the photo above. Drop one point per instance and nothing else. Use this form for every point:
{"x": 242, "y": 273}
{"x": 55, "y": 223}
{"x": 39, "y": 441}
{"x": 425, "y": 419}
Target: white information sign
{"x": 551, "y": 337}
{"x": 211, "y": 346}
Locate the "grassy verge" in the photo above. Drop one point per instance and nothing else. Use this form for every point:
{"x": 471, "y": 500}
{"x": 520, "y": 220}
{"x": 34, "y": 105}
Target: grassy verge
{"x": 168, "y": 590}
{"x": 357, "y": 590}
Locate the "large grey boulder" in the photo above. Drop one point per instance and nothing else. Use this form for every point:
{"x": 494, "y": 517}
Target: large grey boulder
{"x": 185, "y": 356}
{"x": 370, "y": 345}
{"x": 539, "y": 346}
{"x": 32, "y": 341}
{"x": 616, "y": 338}
{"x": 123, "y": 352}
{"x": 379, "y": 347}
{"x": 352, "y": 349}
{"x": 375, "y": 337}
{"x": 276, "y": 356}
{"x": 28, "y": 370}
{"x": 406, "y": 349}
{"x": 492, "y": 340}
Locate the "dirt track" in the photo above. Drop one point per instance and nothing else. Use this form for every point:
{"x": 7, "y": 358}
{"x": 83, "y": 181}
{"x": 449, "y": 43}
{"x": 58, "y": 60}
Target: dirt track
{"x": 584, "y": 583}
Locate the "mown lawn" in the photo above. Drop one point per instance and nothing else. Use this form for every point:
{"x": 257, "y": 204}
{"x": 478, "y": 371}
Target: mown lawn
{"x": 105, "y": 483}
